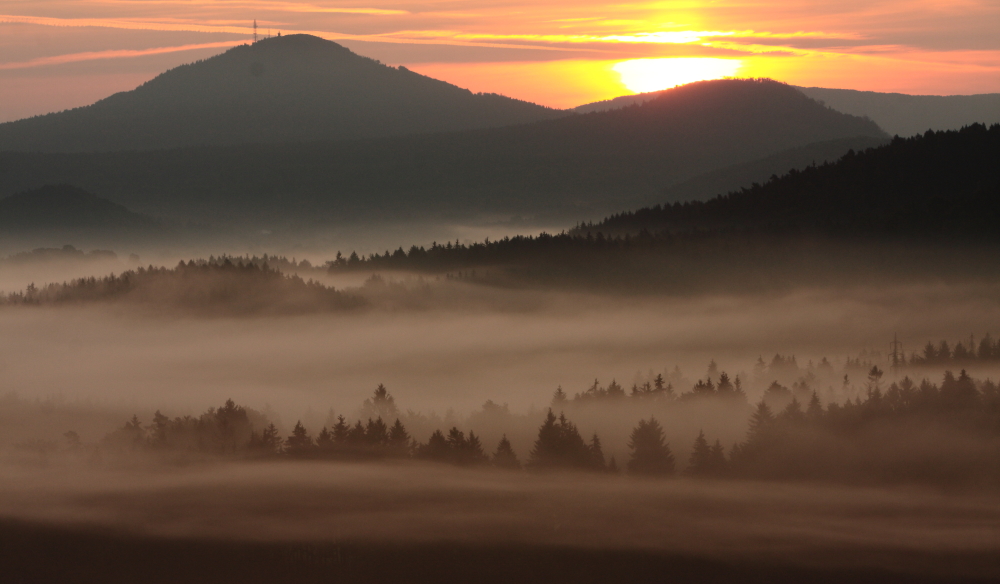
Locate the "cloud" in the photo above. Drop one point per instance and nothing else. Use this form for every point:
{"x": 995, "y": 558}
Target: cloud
{"x": 111, "y": 54}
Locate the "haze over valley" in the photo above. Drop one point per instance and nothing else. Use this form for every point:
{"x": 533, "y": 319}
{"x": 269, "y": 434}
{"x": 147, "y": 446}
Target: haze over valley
{"x": 285, "y": 312}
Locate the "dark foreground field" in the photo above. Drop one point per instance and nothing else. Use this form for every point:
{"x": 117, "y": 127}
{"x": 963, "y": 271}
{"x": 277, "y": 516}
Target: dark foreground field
{"x": 305, "y": 522}
{"x": 32, "y": 552}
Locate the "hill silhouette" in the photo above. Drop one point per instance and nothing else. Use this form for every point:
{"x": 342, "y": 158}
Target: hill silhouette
{"x": 577, "y": 164}
{"x": 896, "y": 113}
{"x": 926, "y": 205}
{"x": 281, "y": 89}
{"x": 935, "y": 185}
{"x": 732, "y": 178}
{"x": 55, "y": 207}
{"x": 907, "y": 115}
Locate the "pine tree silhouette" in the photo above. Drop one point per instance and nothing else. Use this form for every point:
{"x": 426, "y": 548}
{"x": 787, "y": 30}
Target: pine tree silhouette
{"x": 651, "y": 454}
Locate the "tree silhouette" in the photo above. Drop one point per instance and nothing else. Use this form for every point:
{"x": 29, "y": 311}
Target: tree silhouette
{"x": 700, "y": 462}
{"x": 436, "y": 449}
{"x": 299, "y": 442}
{"x": 559, "y": 445}
{"x": 651, "y": 454}
{"x": 380, "y": 405}
{"x": 504, "y": 456}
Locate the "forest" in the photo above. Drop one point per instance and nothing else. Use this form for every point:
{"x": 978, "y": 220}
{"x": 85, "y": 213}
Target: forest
{"x": 902, "y": 432}
{"x": 218, "y": 286}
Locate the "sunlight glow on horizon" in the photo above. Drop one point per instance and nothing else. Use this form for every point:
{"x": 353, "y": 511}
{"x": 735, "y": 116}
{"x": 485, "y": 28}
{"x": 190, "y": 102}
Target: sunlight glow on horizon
{"x": 554, "y": 52}
{"x": 645, "y": 75}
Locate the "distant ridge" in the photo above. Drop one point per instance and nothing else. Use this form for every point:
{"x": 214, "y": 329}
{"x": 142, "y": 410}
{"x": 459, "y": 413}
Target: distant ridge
{"x": 60, "y": 207}
{"x": 283, "y": 89}
{"x": 896, "y": 113}
{"x": 572, "y": 166}
{"x": 907, "y": 115}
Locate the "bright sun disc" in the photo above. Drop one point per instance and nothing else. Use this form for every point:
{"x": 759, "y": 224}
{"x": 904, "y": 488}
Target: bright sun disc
{"x": 644, "y": 75}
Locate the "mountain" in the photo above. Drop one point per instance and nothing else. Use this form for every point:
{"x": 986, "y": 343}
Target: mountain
{"x": 580, "y": 164}
{"x": 732, "y": 178}
{"x": 54, "y": 207}
{"x": 281, "y": 89}
{"x": 896, "y": 113}
{"x": 906, "y": 115}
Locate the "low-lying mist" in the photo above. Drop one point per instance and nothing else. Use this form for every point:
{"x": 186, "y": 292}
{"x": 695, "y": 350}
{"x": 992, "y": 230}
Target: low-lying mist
{"x": 441, "y": 359}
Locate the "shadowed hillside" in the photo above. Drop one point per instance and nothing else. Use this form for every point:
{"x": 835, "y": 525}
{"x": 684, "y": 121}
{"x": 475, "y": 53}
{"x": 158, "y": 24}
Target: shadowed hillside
{"x": 936, "y": 185}
{"x": 576, "y": 165}
{"x": 908, "y": 209}
{"x": 759, "y": 171}
{"x": 896, "y": 113}
{"x": 282, "y": 89}
{"x": 56, "y": 207}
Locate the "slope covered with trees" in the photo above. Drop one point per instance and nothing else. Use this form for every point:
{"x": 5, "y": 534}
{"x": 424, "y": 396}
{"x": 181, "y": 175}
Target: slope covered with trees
{"x": 936, "y": 185}
{"x": 576, "y": 163}
{"x": 214, "y": 287}
{"x": 283, "y": 89}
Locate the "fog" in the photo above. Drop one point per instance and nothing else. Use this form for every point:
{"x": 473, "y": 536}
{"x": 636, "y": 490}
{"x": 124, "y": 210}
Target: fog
{"x": 484, "y": 359}
{"x": 471, "y": 344}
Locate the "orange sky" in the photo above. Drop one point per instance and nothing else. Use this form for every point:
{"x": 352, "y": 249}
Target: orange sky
{"x": 56, "y": 54}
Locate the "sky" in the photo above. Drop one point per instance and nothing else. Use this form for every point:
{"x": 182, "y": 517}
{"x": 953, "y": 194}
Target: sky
{"x": 58, "y": 54}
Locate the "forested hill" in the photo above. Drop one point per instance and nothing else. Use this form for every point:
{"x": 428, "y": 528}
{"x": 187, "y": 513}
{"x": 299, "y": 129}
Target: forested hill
{"x": 597, "y": 162}
{"x": 282, "y": 89}
{"x": 917, "y": 208}
{"x": 939, "y": 184}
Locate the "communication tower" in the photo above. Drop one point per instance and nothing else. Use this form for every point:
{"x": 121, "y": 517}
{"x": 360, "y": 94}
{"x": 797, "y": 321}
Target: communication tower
{"x": 255, "y": 31}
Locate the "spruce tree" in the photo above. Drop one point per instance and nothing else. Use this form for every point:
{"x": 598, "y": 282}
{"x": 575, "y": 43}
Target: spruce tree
{"x": 299, "y": 442}
{"x": 701, "y": 457}
{"x": 651, "y": 454}
{"x": 504, "y": 457}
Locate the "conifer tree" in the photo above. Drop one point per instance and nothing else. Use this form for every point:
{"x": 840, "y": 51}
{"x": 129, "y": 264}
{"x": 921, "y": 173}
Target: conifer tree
{"x": 376, "y": 432}
{"x": 596, "y": 453}
{"x": 340, "y": 430}
{"x": 436, "y": 449}
{"x": 559, "y": 397}
{"x": 701, "y": 457}
{"x": 761, "y": 422}
{"x": 717, "y": 459}
{"x": 504, "y": 457}
{"x": 299, "y": 442}
{"x": 474, "y": 453}
{"x": 399, "y": 439}
{"x": 651, "y": 454}
{"x": 815, "y": 410}
{"x": 325, "y": 440}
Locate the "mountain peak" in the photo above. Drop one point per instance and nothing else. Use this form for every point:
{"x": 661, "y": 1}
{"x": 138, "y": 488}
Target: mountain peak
{"x": 281, "y": 89}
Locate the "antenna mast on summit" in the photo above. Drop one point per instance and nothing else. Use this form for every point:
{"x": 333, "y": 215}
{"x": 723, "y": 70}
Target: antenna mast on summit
{"x": 255, "y": 30}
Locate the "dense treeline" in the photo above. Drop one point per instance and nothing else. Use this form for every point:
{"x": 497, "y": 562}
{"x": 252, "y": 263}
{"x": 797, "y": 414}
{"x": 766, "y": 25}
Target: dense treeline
{"x": 965, "y": 352}
{"x": 945, "y": 433}
{"x": 927, "y": 186}
{"x": 904, "y": 209}
{"x": 217, "y": 285}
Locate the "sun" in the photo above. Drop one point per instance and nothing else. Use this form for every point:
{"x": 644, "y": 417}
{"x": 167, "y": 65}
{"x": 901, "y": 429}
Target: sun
{"x": 644, "y": 75}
